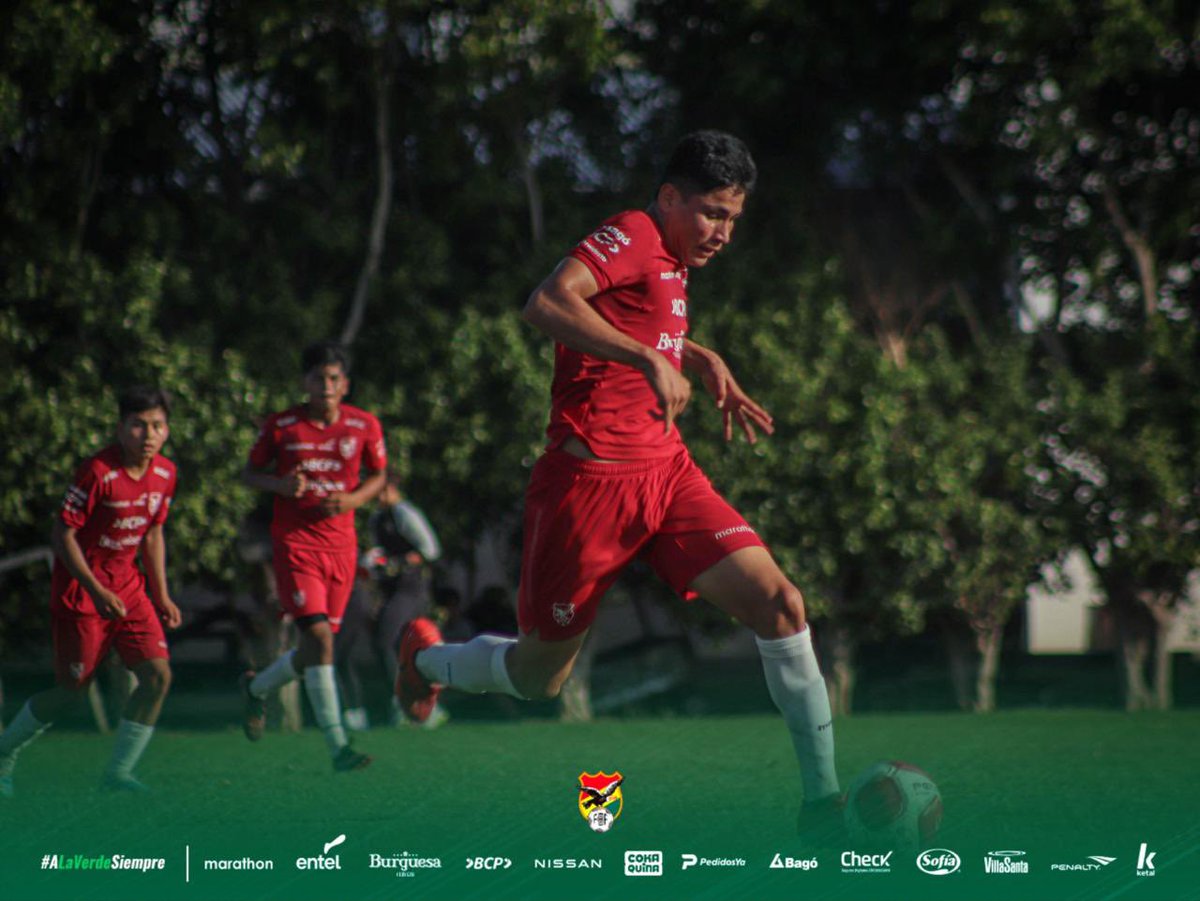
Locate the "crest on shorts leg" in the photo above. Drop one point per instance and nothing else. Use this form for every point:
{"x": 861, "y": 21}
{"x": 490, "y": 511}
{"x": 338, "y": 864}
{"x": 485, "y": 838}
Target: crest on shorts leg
{"x": 563, "y": 613}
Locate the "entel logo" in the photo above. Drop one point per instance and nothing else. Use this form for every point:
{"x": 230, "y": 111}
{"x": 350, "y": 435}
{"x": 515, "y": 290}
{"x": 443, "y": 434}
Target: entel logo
{"x": 938, "y": 862}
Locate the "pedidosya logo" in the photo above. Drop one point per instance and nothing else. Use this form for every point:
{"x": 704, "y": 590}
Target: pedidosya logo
{"x": 938, "y": 862}
{"x": 600, "y": 799}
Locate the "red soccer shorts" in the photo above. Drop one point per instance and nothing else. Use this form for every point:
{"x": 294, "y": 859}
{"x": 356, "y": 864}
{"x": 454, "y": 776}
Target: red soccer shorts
{"x": 312, "y": 582}
{"x": 585, "y": 521}
{"x": 82, "y": 640}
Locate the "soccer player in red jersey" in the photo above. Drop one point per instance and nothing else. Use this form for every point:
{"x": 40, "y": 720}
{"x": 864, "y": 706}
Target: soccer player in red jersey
{"x": 117, "y": 504}
{"x": 322, "y": 459}
{"x": 617, "y": 482}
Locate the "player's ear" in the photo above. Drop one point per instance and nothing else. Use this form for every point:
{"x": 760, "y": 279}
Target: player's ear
{"x": 668, "y": 195}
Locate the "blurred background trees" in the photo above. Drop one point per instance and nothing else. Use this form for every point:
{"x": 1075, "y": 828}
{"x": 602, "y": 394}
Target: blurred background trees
{"x": 966, "y": 287}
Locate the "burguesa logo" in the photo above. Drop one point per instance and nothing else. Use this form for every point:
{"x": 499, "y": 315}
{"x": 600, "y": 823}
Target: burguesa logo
{"x": 938, "y": 862}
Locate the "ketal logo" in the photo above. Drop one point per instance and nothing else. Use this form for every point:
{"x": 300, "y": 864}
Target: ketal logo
{"x": 600, "y": 799}
{"x": 1145, "y": 864}
{"x": 938, "y": 862}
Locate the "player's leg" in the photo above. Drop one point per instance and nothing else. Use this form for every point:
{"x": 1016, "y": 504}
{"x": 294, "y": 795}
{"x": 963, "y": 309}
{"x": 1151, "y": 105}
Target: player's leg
{"x": 750, "y": 587}
{"x": 35, "y": 716}
{"x": 346, "y": 645}
{"x": 140, "y": 641}
{"x": 297, "y": 578}
{"x": 80, "y": 643}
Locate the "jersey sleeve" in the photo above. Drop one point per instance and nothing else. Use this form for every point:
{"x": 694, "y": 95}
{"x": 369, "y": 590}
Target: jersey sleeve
{"x": 80, "y": 499}
{"x": 374, "y": 452}
{"x": 415, "y": 528}
{"x": 617, "y": 252}
{"x": 164, "y": 507}
{"x": 264, "y": 449}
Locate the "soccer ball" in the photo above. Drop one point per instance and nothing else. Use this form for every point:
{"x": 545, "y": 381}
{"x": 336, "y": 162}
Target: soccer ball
{"x": 893, "y": 804}
{"x": 600, "y": 819}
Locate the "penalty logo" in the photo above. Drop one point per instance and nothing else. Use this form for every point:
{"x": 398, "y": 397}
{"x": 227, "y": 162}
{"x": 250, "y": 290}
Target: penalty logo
{"x": 600, "y": 800}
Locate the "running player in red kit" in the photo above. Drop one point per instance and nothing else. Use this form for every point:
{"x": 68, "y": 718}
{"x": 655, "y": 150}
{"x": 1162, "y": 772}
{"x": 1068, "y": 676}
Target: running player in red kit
{"x": 311, "y": 457}
{"x": 117, "y": 504}
{"x": 616, "y": 481}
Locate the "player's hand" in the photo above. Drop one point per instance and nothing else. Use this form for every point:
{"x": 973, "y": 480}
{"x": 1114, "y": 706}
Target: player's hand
{"x": 336, "y": 504}
{"x": 108, "y": 604}
{"x": 414, "y": 558}
{"x": 670, "y": 386}
{"x": 734, "y": 403}
{"x": 169, "y": 614}
{"x": 294, "y": 484}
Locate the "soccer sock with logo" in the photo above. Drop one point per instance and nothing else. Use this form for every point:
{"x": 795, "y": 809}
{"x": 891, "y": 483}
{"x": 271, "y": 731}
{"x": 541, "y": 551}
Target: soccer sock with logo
{"x": 278, "y": 674}
{"x": 24, "y": 728}
{"x": 132, "y": 738}
{"x": 476, "y": 666}
{"x": 798, "y": 689}
{"x": 323, "y": 696}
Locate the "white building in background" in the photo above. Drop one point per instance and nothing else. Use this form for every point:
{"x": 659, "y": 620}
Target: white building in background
{"x": 1063, "y": 616}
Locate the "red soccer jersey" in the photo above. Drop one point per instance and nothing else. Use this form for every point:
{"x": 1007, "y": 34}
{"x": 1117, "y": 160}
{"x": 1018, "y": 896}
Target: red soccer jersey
{"x": 610, "y": 406}
{"x": 111, "y": 512}
{"x": 331, "y": 456}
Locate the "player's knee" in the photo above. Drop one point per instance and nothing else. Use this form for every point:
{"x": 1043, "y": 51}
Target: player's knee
{"x": 783, "y": 614}
{"x": 156, "y": 677}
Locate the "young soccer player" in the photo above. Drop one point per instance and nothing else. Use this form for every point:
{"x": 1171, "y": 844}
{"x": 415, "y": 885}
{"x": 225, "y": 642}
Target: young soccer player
{"x": 323, "y": 459}
{"x": 117, "y": 504}
{"x": 616, "y": 480}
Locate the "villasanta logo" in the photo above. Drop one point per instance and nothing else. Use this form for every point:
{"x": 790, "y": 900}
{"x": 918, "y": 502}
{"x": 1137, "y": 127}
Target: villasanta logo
{"x": 1145, "y": 864}
{"x": 1005, "y": 862}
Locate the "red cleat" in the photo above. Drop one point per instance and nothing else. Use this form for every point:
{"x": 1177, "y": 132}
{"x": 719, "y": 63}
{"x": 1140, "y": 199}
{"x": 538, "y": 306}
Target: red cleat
{"x": 416, "y": 694}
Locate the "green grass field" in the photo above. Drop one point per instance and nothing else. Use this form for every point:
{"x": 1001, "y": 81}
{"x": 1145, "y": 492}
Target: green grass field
{"x": 1059, "y": 785}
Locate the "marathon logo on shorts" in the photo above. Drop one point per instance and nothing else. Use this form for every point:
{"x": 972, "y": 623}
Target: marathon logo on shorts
{"x": 563, "y": 613}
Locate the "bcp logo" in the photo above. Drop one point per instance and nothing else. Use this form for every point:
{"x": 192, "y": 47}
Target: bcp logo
{"x": 488, "y": 863}
{"x": 938, "y": 862}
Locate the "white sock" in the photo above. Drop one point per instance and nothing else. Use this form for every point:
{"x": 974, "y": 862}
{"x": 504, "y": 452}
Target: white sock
{"x": 323, "y": 696}
{"x": 21, "y": 732}
{"x": 277, "y": 675}
{"x": 132, "y": 738}
{"x": 798, "y": 690}
{"x": 476, "y": 666}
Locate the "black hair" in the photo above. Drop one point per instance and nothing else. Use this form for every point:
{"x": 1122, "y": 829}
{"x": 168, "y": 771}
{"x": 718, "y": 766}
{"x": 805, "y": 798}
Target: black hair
{"x": 140, "y": 398}
{"x": 324, "y": 353}
{"x": 708, "y": 160}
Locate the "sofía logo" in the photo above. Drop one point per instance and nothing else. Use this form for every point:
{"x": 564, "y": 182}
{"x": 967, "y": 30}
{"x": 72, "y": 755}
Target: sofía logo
{"x": 600, "y": 799}
{"x": 938, "y": 862}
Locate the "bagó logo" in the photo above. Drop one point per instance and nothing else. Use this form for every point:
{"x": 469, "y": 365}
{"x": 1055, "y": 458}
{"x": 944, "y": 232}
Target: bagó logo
{"x": 600, "y": 799}
{"x": 938, "y": 862}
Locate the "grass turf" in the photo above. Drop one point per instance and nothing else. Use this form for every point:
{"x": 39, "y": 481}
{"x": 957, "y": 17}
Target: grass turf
{"x": 1059, "y": 785}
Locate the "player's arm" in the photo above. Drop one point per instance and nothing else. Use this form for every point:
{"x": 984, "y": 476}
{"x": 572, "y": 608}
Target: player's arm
{"x": 559, "y": 307}
{"x": 154, "y": 560}
{"x": 293, "y": 484}
{"x": 67, "y": 549}
{"x": 732, "y": 401}
{"x": 345, "y": 501}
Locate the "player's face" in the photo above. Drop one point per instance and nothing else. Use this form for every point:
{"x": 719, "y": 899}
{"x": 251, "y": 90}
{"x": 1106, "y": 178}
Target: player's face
{"x": 142, "y": 435}
{"x": 698, "y": 226}
{"x": 326, "y": 386}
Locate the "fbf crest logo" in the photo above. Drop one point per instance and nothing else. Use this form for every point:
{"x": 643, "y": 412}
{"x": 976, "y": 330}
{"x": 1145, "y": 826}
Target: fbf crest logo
{"x": 600, "y": 799}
